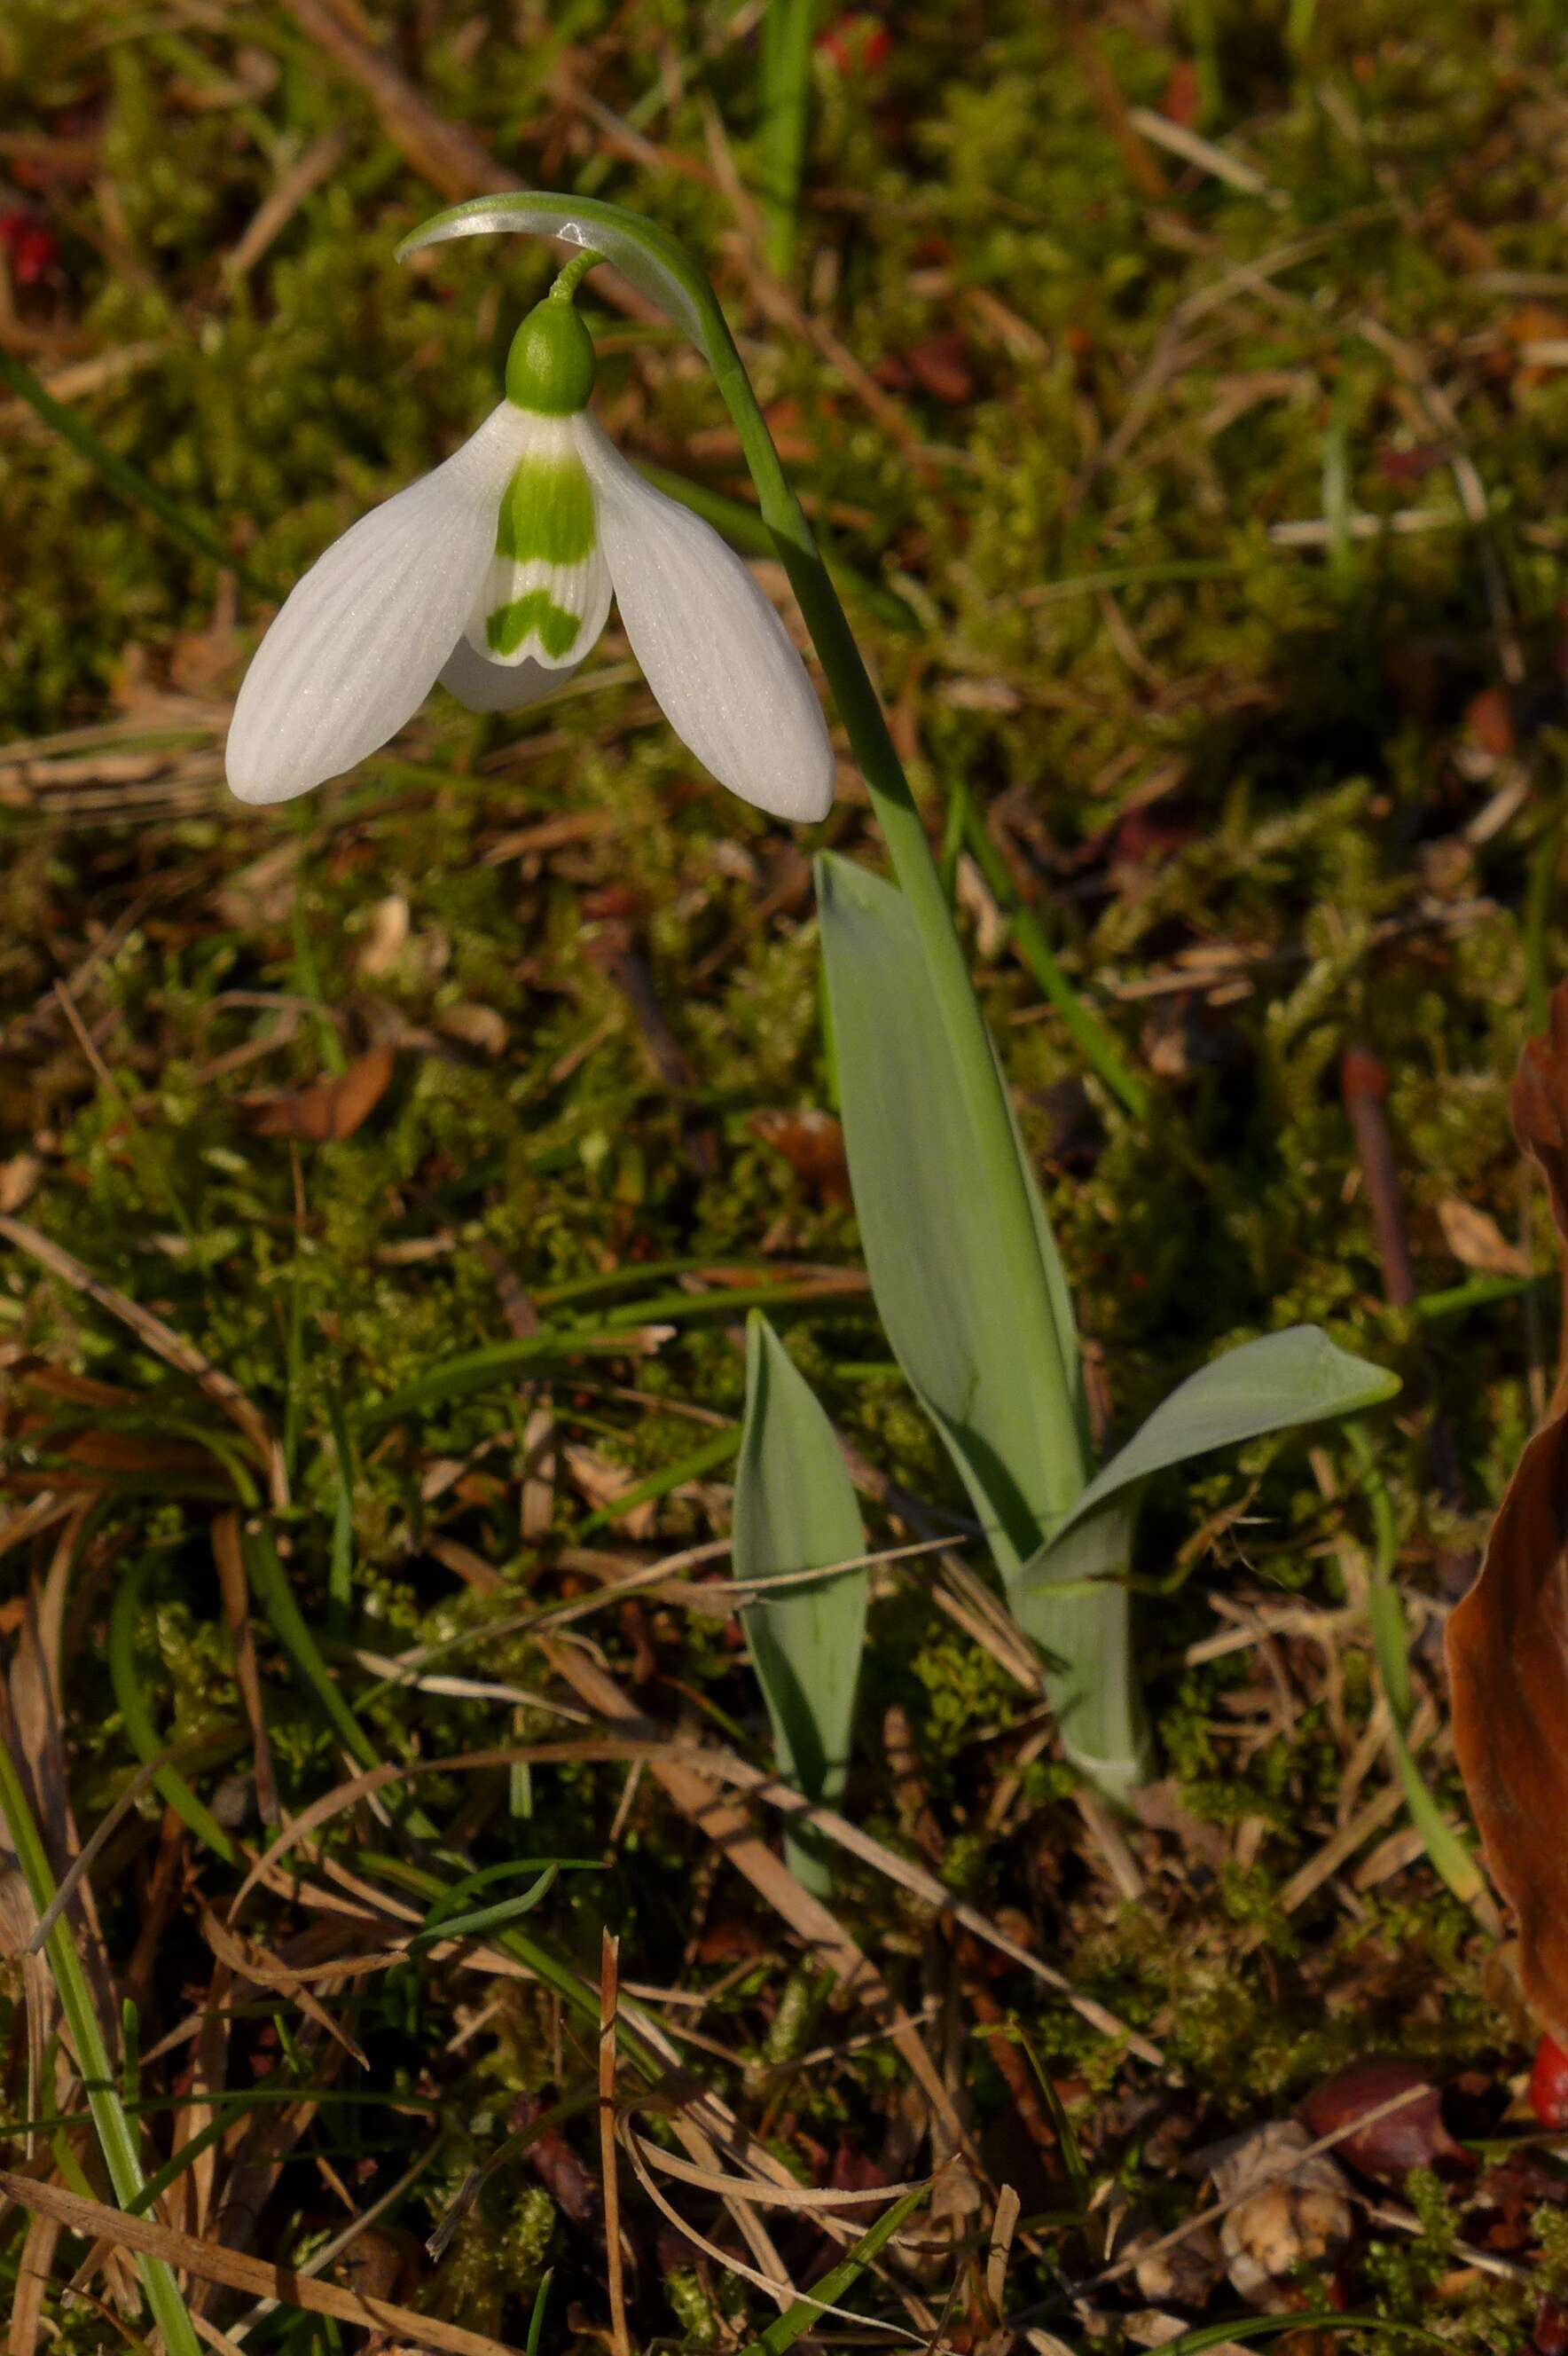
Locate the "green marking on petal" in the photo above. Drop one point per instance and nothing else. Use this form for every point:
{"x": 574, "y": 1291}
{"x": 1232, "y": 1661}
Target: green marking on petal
{"x": 508, "y": 626}
{"x": 547, "y": 513}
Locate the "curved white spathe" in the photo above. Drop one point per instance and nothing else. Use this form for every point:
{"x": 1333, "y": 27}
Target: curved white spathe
{"x": 485, "y": 685}
{"x": 716, "y": 655}
{"x": 361, "y": 640}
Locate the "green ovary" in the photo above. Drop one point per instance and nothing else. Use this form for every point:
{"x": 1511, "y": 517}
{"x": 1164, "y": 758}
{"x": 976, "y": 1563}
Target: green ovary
{"x": 547, "y": 513}
{"x": 508, "y": 626}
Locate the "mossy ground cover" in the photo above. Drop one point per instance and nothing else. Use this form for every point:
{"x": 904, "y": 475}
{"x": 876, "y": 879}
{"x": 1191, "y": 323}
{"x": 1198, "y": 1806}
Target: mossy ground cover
{"x": 1183, "y": 390}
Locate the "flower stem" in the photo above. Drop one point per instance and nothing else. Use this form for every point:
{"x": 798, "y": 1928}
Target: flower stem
{"x": 572, "y": 276}
{"x": 1062, "y": 1468}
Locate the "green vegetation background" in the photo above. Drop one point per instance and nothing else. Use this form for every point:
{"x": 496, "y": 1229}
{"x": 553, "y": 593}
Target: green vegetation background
{"x": 1064, "y": 394}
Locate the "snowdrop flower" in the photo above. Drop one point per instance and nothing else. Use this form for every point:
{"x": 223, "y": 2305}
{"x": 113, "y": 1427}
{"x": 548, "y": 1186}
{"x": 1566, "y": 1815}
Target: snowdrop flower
{"x": 493, "y": 575}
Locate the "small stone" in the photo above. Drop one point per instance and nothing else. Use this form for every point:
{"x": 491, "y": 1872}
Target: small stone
{"x": 1185, "y": 2273}
{"x": 1294, "y": 2215}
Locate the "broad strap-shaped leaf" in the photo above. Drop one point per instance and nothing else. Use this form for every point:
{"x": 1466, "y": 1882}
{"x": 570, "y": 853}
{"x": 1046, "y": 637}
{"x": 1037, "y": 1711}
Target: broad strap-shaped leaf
{"x": 1293, "y": 1377}
{"x": 1287, "y": 1378}
{"x": 982, "y": 1341}
{"x": 1080, "y": 1615}
{"x": 795, "y": 1510}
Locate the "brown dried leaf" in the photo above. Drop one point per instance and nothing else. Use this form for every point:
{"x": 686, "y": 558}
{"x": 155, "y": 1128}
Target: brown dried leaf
{"x": 474, "y": 1026}
{"x": 1507, "y": 1639}
{"x": 329, "y": 1110}
{"x": 1507, "y": 1665}
{"x": 385, "y": 940}
{"x": 18, "y": 1179}
{"x": 248, "y": 1960}
{"x": 1386, "y": 2148}
{"x": 812, "y": 1142}
{"x": 571, "y": 2185}
{"x": 1477, "y": 1241}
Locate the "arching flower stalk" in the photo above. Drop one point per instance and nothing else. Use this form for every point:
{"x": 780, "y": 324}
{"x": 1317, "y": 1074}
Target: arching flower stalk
{"x": 494, "y": 574}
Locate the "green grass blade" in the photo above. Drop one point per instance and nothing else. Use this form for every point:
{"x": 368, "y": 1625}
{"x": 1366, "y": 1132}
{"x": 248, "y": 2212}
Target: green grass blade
{"x": 274, "y": 1599}
{"x": 121, "y": 477}
{"x": 1083, "y": 1027}
{"x": 480, "y": 1370}
{"x": 115, "y": 2132}
{"x": 1269, "y": 2327}
{"x": 142, "y": 1734}
{"x": 788, "y": 26}
{"x": 442, "y": 1922}
{"x": 795, "y": 1510}
{"x": 806, "y": 2313}
{"x": 1449, "y": 1851}
{"x": 707, "y": 1457}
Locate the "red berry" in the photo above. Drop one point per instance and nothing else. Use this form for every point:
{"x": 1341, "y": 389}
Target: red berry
{"x": 1549, "y": 2085}
{"x": 1549, "y": 2337}
{"x": 30, "y": 249}
{"x": 856, "y": 43}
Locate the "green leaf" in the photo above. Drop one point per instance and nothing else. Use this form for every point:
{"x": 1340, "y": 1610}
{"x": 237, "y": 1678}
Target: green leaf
{"x": 988, "y": 1345}
{"x": 1074, "y": 1592}
{"x": 795, "y": 1510}
{"x": 1296, "y": 1376}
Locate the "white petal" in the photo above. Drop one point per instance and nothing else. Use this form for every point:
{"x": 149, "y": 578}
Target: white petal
{"x": 485, "y": 685}
{"x": 714, "y": 652}
{"x": 360, "y": 639}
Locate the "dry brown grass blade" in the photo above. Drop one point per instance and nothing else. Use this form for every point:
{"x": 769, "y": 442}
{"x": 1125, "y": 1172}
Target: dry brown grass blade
{"x": 1003, "y": 2225}
{"x": 266, "y": 2143}
{"x": 32, "y": 2283}
{"x": 615, "y": 2273}
{"x": 776, "y": 2196}
{"x": 214, "y": 2338}
{"x": 151, "y": 1331}
{"x": 249, "y": 1960}
{"x": 637, "y": 2152}
{"x": 232, "y": 1584}
{"x": 19, "y": 1922}
{"x": 190, "y": 2203}
{"x": 728, "y": 1828}
{"x": 39, "y": 1514}
{"x": 701, "y": 1766}
{"x": 311, "y": 171}
{"x": 209, "y": 2262}
{"x": 454, "y": 163}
